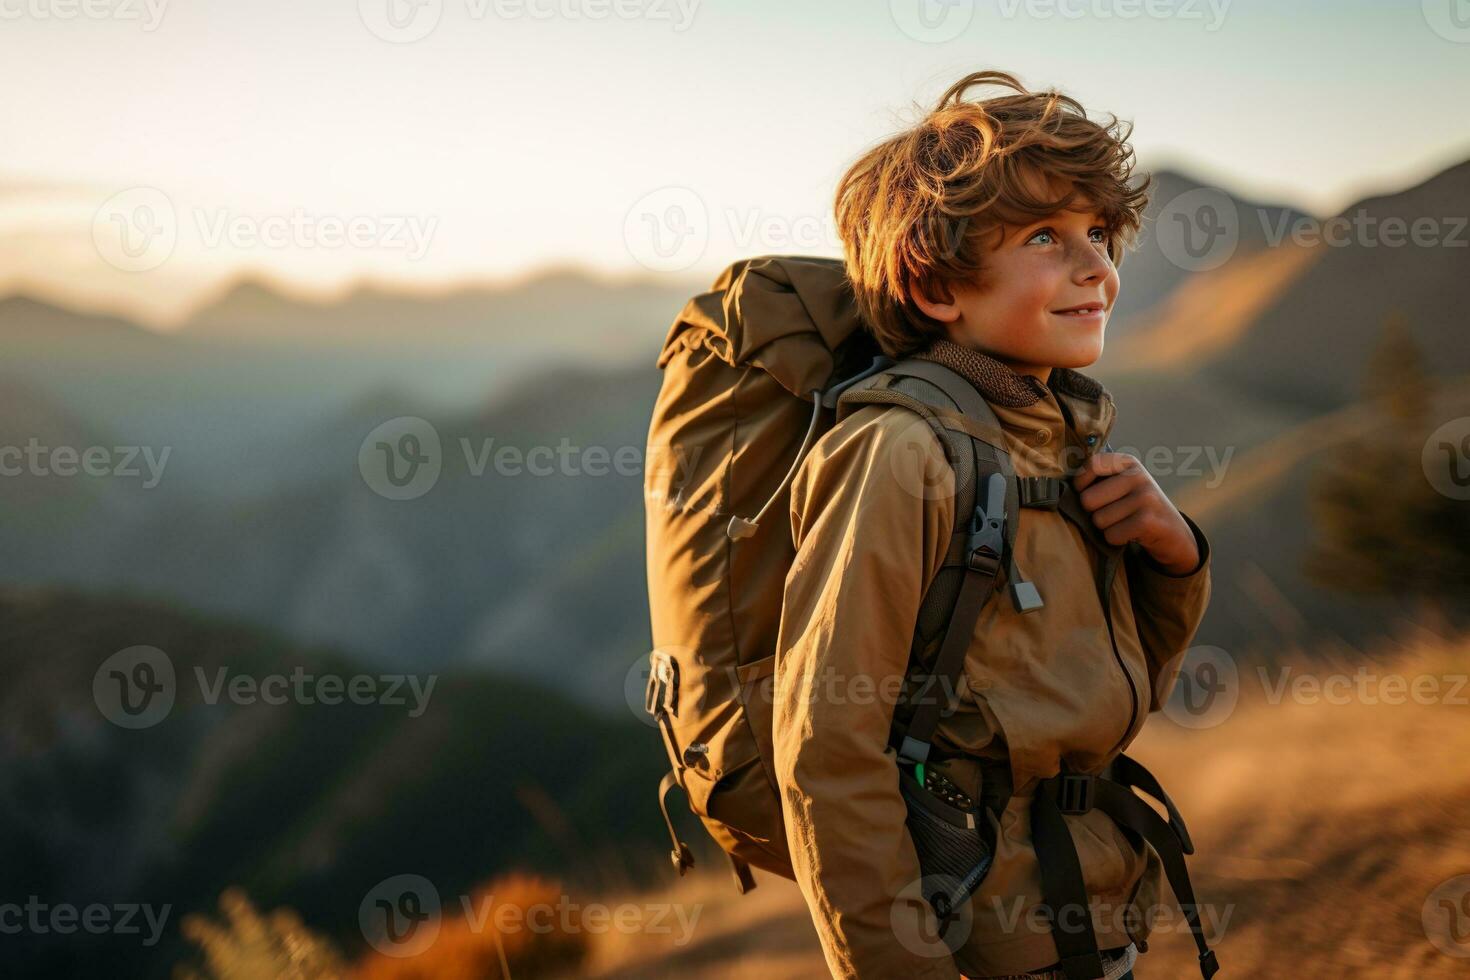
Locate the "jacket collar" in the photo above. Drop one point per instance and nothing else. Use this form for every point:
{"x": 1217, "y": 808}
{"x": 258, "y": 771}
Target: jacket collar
{"x": 1002, "y": 384}
{"x": 1083, "y": 400}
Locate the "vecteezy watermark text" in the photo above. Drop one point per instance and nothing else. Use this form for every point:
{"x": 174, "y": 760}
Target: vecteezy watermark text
{"x": 40, "y": 460}
{"x": 39, "y": 918}
{"x": 136, "y": 688}
{"x": 407, "y": 21}
{"x": 149, "y": 13}
{"x": 401, "y": 916}
{"x": 403, "y": 458}
{"x": 138, "y": 229}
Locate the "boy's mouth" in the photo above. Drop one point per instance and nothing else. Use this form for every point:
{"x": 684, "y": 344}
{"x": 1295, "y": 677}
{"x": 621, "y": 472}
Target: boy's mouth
{"x": 1082, "y": 310}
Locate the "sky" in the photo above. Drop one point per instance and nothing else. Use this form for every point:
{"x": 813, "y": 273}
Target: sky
{"x": 156, "y": 150}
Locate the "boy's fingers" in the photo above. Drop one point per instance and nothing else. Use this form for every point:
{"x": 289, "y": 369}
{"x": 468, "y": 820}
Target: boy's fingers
{"x": 1103, "y": 492}
{"x": 1118, "y": 510}
{"x": 1099, "y": 465}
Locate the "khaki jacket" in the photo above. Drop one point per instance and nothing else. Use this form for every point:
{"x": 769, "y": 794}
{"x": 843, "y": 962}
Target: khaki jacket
{"x": 872, "y": 510}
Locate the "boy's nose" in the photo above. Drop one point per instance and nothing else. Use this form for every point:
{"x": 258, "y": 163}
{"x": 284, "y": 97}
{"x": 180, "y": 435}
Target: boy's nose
{"x": 1089, "y": 266}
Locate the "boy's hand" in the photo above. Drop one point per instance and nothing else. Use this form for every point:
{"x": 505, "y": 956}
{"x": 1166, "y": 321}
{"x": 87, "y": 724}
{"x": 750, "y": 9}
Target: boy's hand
{"x": 1127, "y": 505}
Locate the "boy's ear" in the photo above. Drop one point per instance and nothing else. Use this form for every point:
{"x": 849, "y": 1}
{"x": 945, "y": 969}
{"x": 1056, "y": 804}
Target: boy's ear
{"x": 936, "y": 300}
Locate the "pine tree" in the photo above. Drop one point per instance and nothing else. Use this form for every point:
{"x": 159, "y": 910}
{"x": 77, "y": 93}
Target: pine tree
{"x": 1382, "y": 528}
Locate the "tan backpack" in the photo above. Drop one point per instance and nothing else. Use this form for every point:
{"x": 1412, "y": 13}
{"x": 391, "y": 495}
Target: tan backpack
{"x": 754, "y": 372}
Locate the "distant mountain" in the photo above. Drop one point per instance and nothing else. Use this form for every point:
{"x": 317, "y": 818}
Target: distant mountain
{"x": 30, "y": 325}
{"x": 56, "y": 516}
{"x": 1149, "y": 276}
{"x": 303, "y": 804}
{"x": 1310, "y": 344}
{"x": 560, "y": 311}
{"x": 536, "y": 575}
{"x": 1207, "y": 312}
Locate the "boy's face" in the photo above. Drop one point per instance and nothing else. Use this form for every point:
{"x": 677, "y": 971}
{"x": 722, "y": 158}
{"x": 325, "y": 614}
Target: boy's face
{"x": 1048, "y": 289}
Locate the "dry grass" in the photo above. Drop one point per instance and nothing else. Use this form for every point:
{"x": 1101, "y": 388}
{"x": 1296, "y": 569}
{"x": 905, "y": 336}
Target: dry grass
{"x": 483, "y": 943}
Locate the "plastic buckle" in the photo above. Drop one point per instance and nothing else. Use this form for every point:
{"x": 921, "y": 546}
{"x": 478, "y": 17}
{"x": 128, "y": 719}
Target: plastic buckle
{"x": 1075, "y": 792}
{"x": 987, "y": 529}
{"x": 662, "y": 690}
{"x": 981, "y": 558}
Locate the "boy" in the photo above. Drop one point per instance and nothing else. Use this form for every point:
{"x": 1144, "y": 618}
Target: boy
{"x": 983, "y": 238}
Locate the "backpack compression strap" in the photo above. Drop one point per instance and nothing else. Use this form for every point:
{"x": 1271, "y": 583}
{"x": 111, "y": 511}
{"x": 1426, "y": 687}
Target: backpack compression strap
{"x": 983, "y": 534}
{"x": 1062, "y": 886}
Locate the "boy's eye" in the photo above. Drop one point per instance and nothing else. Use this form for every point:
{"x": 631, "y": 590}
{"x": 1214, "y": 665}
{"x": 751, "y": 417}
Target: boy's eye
{"x": 1047, "y": 236}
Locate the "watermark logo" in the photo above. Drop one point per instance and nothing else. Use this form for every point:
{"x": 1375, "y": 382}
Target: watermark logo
{"x": 932, "y": 21}
{"x": 1207, "y": 689}
{"x": 635, "y": 685}
{"x": 400, "y": 21}
{"x": 119, "y": 462}
{"x": 136, "y": 230}
{"x": 149, "y": 13}
{"x": 1198, "y": 230}
{"x": 407, "y": 233}
{"x": 41, "y": 918}
{"x": 919, "y": 929}
{"x": 1363, "y": 686}
{"x": 400, "y": 916}
{"x": 135, "y": 687}
{"x": 1450, "y": 19}
{"x": 402, "y": 458}
{"x": 918, "y": 465}
{"x": 1446, "y": 459}
{"x": 1210, "y": 12}
{"x": 1446, "y": 917}
{"x": 667, "y": 230}
{"x": 1365, "y": 230}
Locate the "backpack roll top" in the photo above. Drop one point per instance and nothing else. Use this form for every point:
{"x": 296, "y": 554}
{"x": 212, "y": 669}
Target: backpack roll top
{"x": 744, "y": 365}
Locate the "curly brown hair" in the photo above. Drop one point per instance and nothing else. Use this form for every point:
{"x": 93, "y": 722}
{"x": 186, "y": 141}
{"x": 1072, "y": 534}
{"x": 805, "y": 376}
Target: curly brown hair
{"x": 917, "y": 210}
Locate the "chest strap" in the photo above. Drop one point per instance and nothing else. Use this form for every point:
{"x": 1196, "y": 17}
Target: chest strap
{"x": 1040, "y": 492}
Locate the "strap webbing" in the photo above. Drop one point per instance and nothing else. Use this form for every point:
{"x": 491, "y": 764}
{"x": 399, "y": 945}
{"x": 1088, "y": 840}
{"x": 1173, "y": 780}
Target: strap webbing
{"x": 988, "y": 441}
{"x": 1063, "y": 889}
{"x": 680, "y": 854}
{"x": 1129, "y": 810}
{"x": 1042, "y": 492}
{"x": 950, "y": 664}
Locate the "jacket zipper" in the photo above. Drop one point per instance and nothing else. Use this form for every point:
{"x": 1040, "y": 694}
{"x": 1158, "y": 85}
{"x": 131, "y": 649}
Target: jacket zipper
{"x": 1105, "y": 600}
{"x": 1105, "y": 596}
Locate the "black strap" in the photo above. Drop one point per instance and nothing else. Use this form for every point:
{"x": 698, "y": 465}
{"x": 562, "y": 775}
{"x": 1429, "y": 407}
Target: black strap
{"x": 987, "y": 538}
{"x": 680, "y": 855}
{"x": 1063, "y": 889}
{"x": 1041, "y": 492}
{"x": 1064, "y": 893}
{"x": 1125, "y": 806}
{"x": 949, "y": 665}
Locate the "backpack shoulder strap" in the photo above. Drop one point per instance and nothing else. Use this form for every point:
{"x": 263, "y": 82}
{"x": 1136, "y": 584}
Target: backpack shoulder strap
{"x": 987, "y": 506}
